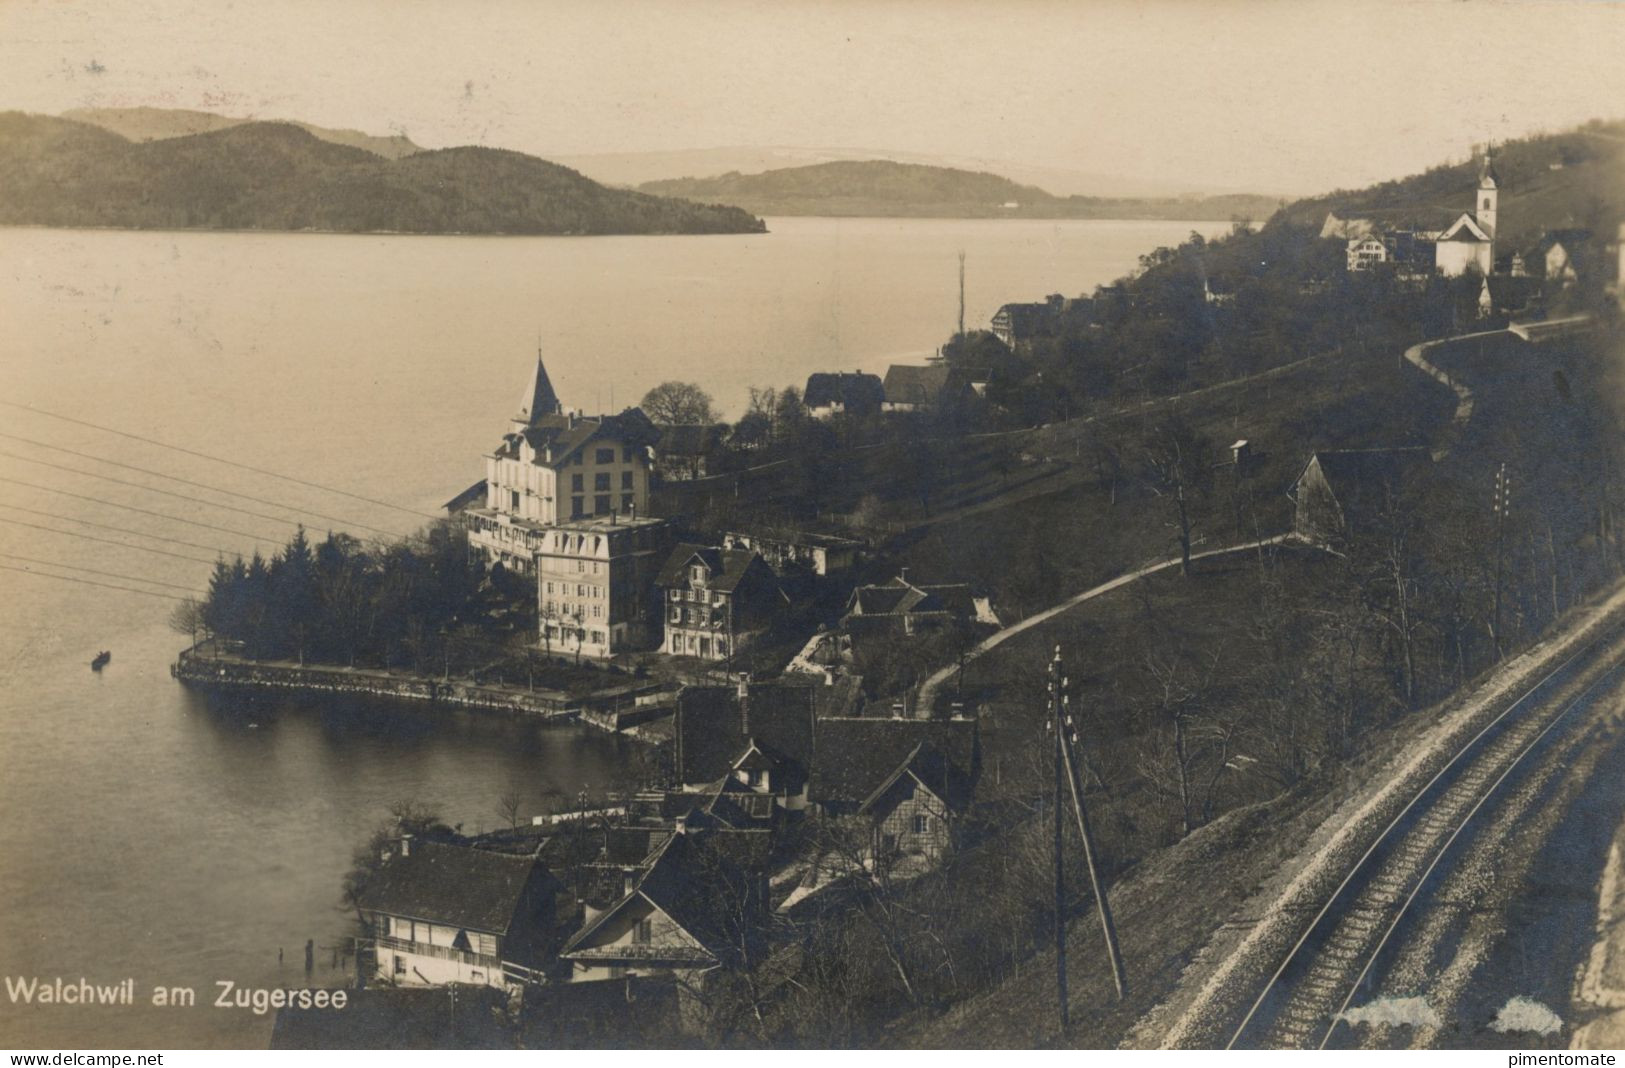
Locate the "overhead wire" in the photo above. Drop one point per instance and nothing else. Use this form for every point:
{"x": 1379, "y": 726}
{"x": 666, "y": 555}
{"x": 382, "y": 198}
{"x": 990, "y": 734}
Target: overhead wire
{"x": 121, "y": 530}
{"x": 218, "y": 459}
{"x": 150, "y": 489}
{"x": 106, "y": 541}
{"x": 143, "y": 511}
{"x": 104, "y": 574}
{"x": 92, "y": 582}
{"x": 199, "y": 485}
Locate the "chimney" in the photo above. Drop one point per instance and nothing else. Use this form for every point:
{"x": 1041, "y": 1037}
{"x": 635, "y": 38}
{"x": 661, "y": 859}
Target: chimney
{"x": 902, "y": 574}
{"x": 744, "y": 703}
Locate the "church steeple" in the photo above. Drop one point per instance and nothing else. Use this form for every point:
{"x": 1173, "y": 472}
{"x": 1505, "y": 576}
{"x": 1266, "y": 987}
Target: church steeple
{"x": 538, "y": 399}
{"x": 1488, "y": 193}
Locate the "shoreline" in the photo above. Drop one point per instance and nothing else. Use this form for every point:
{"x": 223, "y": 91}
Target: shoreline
{"x": 612, "y": 709}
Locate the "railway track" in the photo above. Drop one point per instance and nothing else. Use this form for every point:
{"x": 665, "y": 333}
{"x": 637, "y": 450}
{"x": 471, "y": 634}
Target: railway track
{"x": 1303, "y": 1002}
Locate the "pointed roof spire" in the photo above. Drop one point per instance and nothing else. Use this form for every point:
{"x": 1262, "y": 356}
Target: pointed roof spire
{"x": 538, "y": 399}
{"x": 1487, "y": 178}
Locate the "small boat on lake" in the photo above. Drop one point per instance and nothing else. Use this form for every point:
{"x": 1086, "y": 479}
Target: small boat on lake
{"x": 101, "y": 660}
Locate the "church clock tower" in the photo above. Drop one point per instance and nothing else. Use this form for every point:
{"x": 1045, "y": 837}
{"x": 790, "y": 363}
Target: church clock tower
{"x": 1488, "y": 193}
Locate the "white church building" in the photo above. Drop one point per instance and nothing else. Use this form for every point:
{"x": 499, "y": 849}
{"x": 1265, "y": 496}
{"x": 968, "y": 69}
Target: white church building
{"x": 1468, "y": 244}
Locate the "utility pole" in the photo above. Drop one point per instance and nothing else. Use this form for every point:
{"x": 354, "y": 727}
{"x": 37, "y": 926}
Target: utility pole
{"x": 961, "y": 292}
{"x": 1503, "y": 495}
{"x": 1069, "y": 739}
{"x": 1055, "y": 727}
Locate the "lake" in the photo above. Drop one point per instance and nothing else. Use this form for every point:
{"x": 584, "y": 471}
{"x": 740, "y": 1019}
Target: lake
{"x": 155, "y": 834}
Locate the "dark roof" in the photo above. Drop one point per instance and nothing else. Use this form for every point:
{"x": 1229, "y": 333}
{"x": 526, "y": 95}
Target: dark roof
{"x": 726, "y": 567}
{"x": 682, "y": 883}
{"x": 711, "y": 734}
{"x": 900, "y": 597}
{"x": 472, "y": 495}
{"x": 1567, "y": 238}
{"x": 1027, "y": 319}
{"x": 853, "y": 389}
{"x": 690, "y": 439}
{"x": 855, "y": 757}
{"x": 1367, "y": 480}
{"x": 927, "y": 765}
{"x": 538, "y": 400}
{"x": 479, "y": 889}
{"x": 842, "y": 696}
{"x": 1509, "y": 292}
{"x": 565, "y": 434}
{"x": 907, "y": 384}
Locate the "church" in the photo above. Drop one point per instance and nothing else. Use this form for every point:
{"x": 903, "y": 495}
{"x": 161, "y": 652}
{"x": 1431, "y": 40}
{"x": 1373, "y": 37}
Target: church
{"x": 1468, "y": 244}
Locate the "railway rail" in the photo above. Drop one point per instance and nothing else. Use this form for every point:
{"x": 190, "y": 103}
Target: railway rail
{"x": 1303, "y": 1002}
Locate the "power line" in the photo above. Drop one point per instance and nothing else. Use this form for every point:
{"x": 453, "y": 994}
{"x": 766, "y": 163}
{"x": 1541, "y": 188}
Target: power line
{"x": 149, "y": 489}
{"x": 219, "y": 460}
{"x": 106, "y": 541}
{"x": 92, "y": 582}
{"x": 104, "y": 574}
{"x": 200, "y": 485}
{"x": 143, "y": 511}
{"x": 122, "y": 530}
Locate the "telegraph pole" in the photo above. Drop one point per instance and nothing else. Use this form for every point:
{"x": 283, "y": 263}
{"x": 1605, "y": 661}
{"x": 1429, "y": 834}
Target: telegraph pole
{"x": 961, "y": 292}
{"x": 1069, "y": 739}
{"x": 1056, "y": 726}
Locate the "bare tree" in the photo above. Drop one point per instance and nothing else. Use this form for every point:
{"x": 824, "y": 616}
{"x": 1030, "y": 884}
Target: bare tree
{"x": 678, "y": 403}
{"x": 1175, "y": 468}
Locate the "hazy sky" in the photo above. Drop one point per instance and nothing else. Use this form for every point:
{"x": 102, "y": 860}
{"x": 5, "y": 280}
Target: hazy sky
{"x": 1289, "y": 96}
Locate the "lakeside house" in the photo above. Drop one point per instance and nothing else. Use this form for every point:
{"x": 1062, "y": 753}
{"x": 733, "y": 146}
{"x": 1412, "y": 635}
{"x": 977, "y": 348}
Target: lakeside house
{"x": 595, "y": 584}
{"x": 910, "y": 388}
{"x": 716, "y": 601}
{"x": 854, "y": 393}
{"x": 443, "y": 913}
{"x": 553, "y": 467}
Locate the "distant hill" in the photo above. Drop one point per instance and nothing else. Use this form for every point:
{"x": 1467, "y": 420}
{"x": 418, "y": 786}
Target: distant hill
{"x": 1548, "y": 181}
{"x": 158, "y": 124}
{"x": 279, "y": 176}
{"x": 886, "y": 188}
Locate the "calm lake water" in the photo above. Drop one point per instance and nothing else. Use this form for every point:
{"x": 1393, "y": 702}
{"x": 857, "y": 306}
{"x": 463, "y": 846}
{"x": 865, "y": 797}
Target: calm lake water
{"x": 151, "y": 833}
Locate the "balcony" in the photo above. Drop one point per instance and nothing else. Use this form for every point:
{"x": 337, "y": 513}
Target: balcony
{"x": 677, "y": 955}
{"x": 425, "y": 949}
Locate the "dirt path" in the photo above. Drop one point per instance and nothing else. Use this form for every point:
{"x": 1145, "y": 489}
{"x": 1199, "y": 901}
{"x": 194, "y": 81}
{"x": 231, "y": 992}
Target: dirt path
{"x": 928, "y": 689}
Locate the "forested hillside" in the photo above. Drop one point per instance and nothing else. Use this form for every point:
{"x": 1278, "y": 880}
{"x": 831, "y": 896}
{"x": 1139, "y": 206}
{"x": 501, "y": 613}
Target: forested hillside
{"x": 277, "y": 176}
{"x": 882, "y": 187}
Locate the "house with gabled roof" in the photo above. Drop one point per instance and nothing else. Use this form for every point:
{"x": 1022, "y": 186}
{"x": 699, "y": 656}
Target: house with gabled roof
{"x": 1343, "y": 492}
{"x": 902, "y": 607}
{"x": 832, "y": 393}
{"x": 759, "y": 733}
{"x": 688, "y": 450}
{"x": 716, "y": 601}
{"x": 692, "y": 910}
{"x": 446, "y": 913}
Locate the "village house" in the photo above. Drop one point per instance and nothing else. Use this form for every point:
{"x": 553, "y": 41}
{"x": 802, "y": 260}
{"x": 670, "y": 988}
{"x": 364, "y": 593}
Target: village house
{"x": 554, "y": 467}
{"x": 716, "y": 601}
{"x": 595, "y": 584}
{"x": 1366, "y": 252}
{"x": 693, "y": 909}
{"x": 1507, "y": 295}
{"x": 1345, "y": 492}
{"x": 1018, "y": 325}
{"x": 901, "y": 607}
{"x": 1562, "y": 255}
{"x": 798, "y": 552}
{"x": 910, "y": 388}
{"x": 758, "y": 733}
{"x": 910, "y": 780}
{"x": 688, "y": 451}
{"x": 442, "y": 913}
{"x": 829, "y": 394}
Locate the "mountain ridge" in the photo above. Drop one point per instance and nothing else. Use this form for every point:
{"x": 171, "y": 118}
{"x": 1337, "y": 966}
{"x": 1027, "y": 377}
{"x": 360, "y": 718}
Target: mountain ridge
{"x": 280, "y": 176}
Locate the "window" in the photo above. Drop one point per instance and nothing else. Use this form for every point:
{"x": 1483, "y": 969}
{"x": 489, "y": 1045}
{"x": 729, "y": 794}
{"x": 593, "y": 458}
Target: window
{"x": 676, "y": 642}
{"x": 922, "y": 824}
{"x": 576, "y": 483}
{"x": 575, "y": 508}
{"x": 576, "y": 459}
{"x": 600, "y": 503}
{"x": 626, "y": 455}
{"x": 627, "y": 502}
{"x": 643, "y": 933}
{"x": 605, "y": 456}
{"x": 696, "y": 574}
{"x": 600, "y": 482}
{"x": 550, "y": 589}
{"x": 626, "y": 480}
{"x": 514, "y": 495}
{"x": 400, "y": 964}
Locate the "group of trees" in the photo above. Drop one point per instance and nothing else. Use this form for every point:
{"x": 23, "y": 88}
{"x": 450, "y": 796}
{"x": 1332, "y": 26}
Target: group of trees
{"x": 347, "y": 602}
